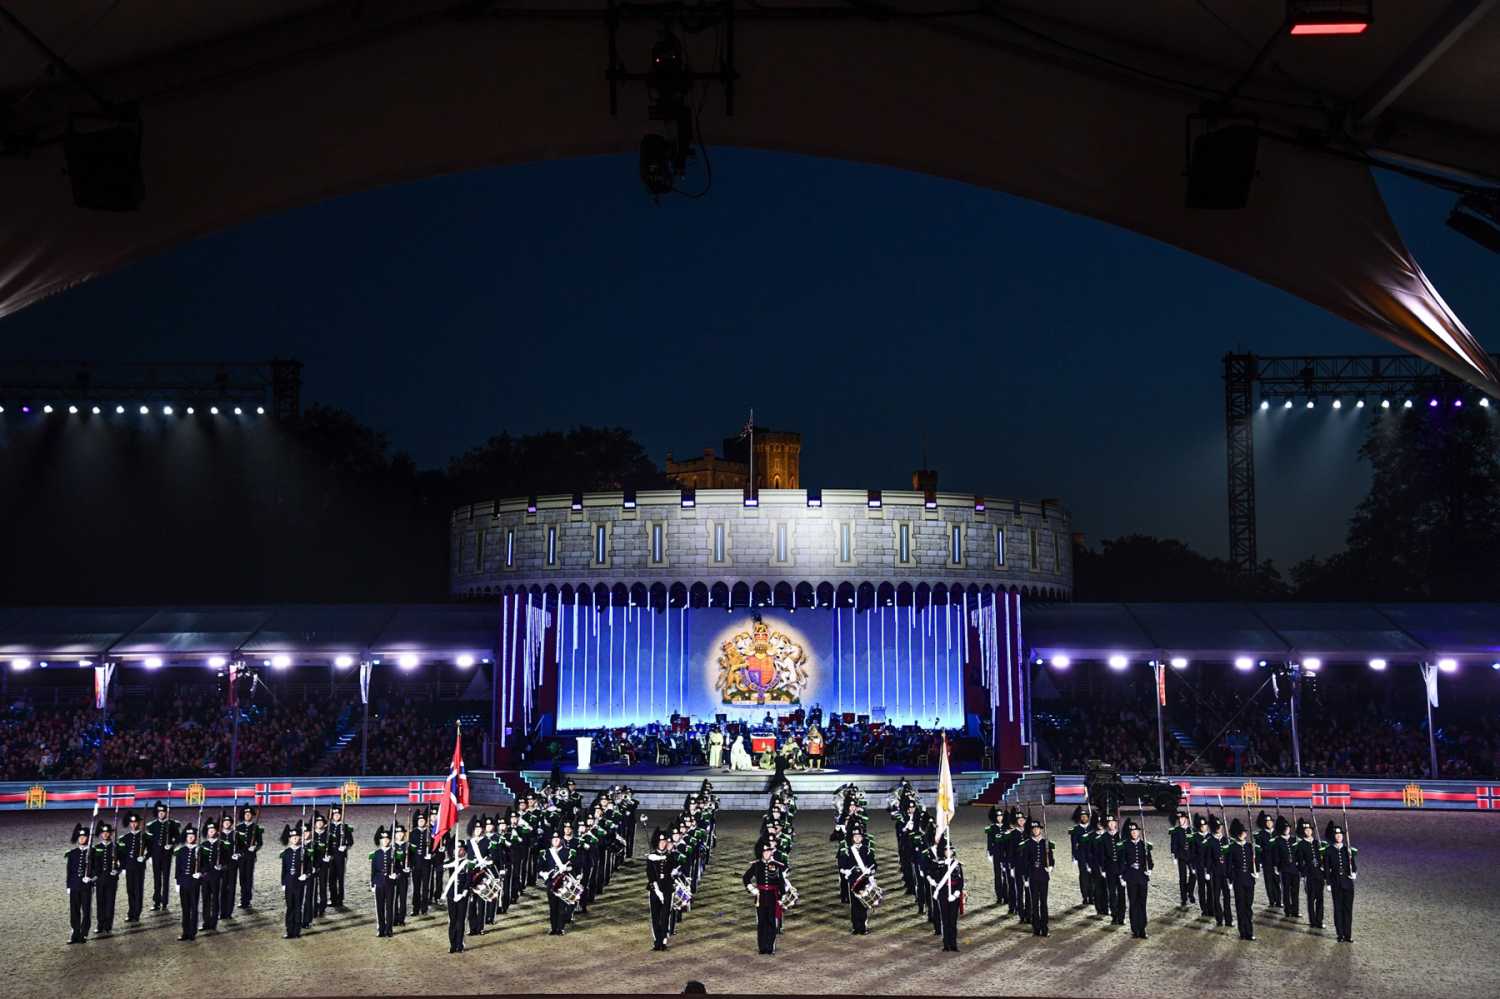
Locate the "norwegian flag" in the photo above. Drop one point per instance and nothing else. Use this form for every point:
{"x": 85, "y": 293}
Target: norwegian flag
{"x": 456, "y": 791}
{"x": 419, "y": 791}
{"x": 1187, "y": 791}
{"x": 116, "y": 795}
{"x": 1330, "y": 795}
{"x": 279, "y": 793}
{"x": 1487, "y": 797}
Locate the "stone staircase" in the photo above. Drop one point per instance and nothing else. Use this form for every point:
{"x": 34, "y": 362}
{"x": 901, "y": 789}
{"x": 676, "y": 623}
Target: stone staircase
{"x": 1190, "y": 746}
{"x": 345, "y": 731}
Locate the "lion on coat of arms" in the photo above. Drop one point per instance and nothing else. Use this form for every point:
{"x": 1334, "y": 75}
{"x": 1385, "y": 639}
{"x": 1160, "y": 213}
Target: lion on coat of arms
{"x": 761, "y": 666}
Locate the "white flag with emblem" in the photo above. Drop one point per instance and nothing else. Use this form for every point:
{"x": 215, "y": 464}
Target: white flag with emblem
{"x": 945, "y": 798}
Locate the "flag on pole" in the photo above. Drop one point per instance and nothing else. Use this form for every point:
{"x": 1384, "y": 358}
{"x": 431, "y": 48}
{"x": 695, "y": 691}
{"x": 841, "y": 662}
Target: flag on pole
{"x": 234, "y": 675}
{"x": 102, "y": 676}
{"x": 1161, "y": 684}
{"x": 456, "y": 794}
{"x": 945, "y": 798}
{"x": 1430, "y": 675}
{"x": 364, "y": 681}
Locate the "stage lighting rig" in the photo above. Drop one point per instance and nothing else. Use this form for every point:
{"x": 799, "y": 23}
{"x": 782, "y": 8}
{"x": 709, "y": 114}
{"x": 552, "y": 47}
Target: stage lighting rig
{"x": 1329, "y": 17}
{"x": 1477, "y": 215}
{"x": 670, "y": 81}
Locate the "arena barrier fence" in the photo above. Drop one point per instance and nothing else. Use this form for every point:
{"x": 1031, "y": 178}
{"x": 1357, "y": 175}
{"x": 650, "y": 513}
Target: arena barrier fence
{"x": 1206, "y": 791}
{"x": 220, "y": 793}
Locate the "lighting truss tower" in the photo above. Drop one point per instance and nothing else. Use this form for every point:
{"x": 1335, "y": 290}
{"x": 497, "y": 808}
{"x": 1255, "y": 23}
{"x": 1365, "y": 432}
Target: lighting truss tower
{"x": 1353, "y": 377}
{"x": 275, "y": 385}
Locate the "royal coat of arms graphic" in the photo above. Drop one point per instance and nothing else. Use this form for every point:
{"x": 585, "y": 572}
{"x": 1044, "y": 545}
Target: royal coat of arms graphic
{"x": 761, "y": 666}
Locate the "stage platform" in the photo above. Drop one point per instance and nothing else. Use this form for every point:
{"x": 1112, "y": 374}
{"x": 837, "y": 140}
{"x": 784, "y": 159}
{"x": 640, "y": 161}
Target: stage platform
{"x": 665, "y": 787}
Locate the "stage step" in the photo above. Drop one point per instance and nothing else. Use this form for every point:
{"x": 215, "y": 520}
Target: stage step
{"x": 1033, "y": 787}
{"x": 748, "y": 791}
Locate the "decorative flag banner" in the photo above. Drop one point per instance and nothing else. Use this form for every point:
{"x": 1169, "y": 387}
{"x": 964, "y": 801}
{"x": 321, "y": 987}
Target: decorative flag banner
{"x": 457, "y": 797}
{"x": 364, "y": 680}
{"x": 102, "y": 676}
{"x": 1430, "y": 675}
{"x": 945, "y": 797}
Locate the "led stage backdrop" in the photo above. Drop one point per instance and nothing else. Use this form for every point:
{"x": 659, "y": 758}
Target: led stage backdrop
{"x": 631, "y": 665}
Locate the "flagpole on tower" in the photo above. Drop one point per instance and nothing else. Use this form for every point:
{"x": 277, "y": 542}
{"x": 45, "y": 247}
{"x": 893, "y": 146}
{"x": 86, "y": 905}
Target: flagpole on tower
{"x": 751, "y": 425}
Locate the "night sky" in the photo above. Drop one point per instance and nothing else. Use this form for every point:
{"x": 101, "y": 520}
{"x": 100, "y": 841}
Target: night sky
{"x": 1038, "y": 353}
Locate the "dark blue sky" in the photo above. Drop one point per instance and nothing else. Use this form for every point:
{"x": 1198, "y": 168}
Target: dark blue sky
{"x": 1041, "y": 354}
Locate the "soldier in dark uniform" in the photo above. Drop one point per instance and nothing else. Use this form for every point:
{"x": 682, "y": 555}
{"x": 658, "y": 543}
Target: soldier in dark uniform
{"x": 164, "y": 834}
{"x": 1021, "y": 904}
{"x": 401, "y": 857}
{"x": 1307, "y": 854}
{"x": 294, "y": 875}
{"x": 322, "y": 853}
{"x": 1182, "y": 852}
{"x": 992, "y": 835}
{"x": 1243, "y": 866}
{"x": 1097, "y": 848}
{"x": 212, "y": 884}
{"x": 383, "y": 877}
{"x": 857, "y": 865}
{"x": 1202, "y": 867}
{"x": 80, "y": 884}
{"x": 1078, "y": 840}
{"x": 134, "y": 848}
{"x": 1037, "y": 858}
{"x": 108, "y": 861}
{"x": 1264, "y": 835}
{"x": 249, "y": 837}
{"x": 421, "y": 861}
{"x": 479, "y": 858}
{"x": 555, "y": 865}
{"x": 1114, "y": 872}
{"x": 230, "y": 859}
{"x": 766, "y": 882}
{"x": 1286, "y": 866}
{"x": 1215, "y": 851}
{"x": 1340, "y": 869}
{"x": 661, "y": 865}
{"x": 455, "y": 893}
{"x": 340, "y": 841}
{"x": 948, "y": 894}
{"x": 189, "y": 871}
{"x": 1136, "y": 865}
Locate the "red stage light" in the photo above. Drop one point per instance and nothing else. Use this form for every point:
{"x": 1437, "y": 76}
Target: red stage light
{"x": 1339, "y": 28}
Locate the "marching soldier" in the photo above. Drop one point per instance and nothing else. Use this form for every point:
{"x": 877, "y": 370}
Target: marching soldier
{"x": 993, "y": 834}
{"x": 1114, "y": 871}
{"x": 340, "y": 841}
{"x": 455, "y": 893}
{"x": 1037, "y": 860}
{"x": 80, "y": 884}
{"x": 1202, "y": 868}
{"x": 108, "y": 861}
{"x": 401, "y": 857}
{"x": 322, "y": 851}
{"x": 1264, "y": 840}
{"x": 134, "y": 848}
{"x": 661, "y": 865}
{"x": 294, "y": 875}
{"x": 1010, "y": 850}
{"x": 442, "y": 852}
{"x": 1078, "y": 843}
{"x": 383, "y": 877}
{"x": 1308, "y": 856}
{"x": 857, "y": 867}
{"x": 766, "y": 881}
{"x": 1243, "y": 867}
{"x": 1182, "y": 852}
{"x": 1340, "y": 868}
{"x": 1097, "y": 847}
{"x": 249, "y": 837}
{"x": 948, "y": 894}
{"x": 1136, "y": 865}
{"x": 1286, "y": 866}
{"x": 420, "y": 859}
{"x": 164, "y": 834}
{"x": 212, "y": 884}
{"x": 231, "y": 857}
{"x": 1215, "y": 858}
{"x": 189, "y": 872}
{"x": 555, "y": 865}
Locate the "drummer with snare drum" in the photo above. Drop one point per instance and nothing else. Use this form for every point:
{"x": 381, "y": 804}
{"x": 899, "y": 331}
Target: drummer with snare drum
{"x": 555, "y": 869}
{"x": 857, "y": 866}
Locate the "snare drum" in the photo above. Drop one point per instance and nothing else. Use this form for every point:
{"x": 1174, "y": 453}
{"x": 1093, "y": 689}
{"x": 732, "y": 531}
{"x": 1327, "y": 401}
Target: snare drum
{"x": 790, "y": 898}
{"x": 682, "y": 895}
{"x": 870, "y": 894}
{"x": 487, "y": 884}
{"x": 570, "y": 890}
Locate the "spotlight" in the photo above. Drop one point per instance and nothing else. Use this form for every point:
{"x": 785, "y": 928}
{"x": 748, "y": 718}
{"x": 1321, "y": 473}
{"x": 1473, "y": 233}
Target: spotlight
{"x": 238, "y": 411}
{"x": 166, "y": 410}
{"x": 153, "y": 663}
{"x": 1494, "y": 665}
{"x": 73, "y": 410}
{"x": 2, "y": 409}
{"x": 20, "y": 665}
{"x": 47, "y": 408}
{"x": 260, "y": 411}
{"x": 84, "y": 662}
{"x": 1118, "y": 662}
{"x": 1287, "y": 404}
{"x": 1485, "y": 403}
{"x": 1448, "y": 665}
{"x": 145, "y": 410}
{"x": 1310, "y": 404}
{"x": 1178, "y": 662}
{"x": 1329, "y": 17}
{"x": 1338, "y": 404}
{"x": 216, "y": 662}
{"x": 343, "y": 662}
{"x": 119, "y": 410}
{"x": 281, "y": 662}
{"x": 1312, "y": 664}
{"x": 25, "y": 409}
{"x": 407, "y": 662}
{"x": 95, "y": 411}
{"x": 1431, "y": 403}
{"x": 1406, "y": 404}
{"x": 1360, "y": 404}
{"x": 1458, "y": 403}
{"x": 1385, "y": 404}
{"x": 214, "y": 410}
{"x": 1264, "y": 405}
{"x": 190, "y": 411}
{"x": 1378, "y": 665}
{"x": 1061, "y": 662}
{"x": 465, "y": 661}
{"x": 1243, "y": 664}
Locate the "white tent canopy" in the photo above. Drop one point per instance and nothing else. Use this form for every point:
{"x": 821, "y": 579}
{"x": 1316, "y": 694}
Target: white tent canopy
{"x": 255, "y": 106}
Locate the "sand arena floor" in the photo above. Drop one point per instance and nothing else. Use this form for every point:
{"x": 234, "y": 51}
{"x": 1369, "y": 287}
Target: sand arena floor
{"x": 1429, "y": 880}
